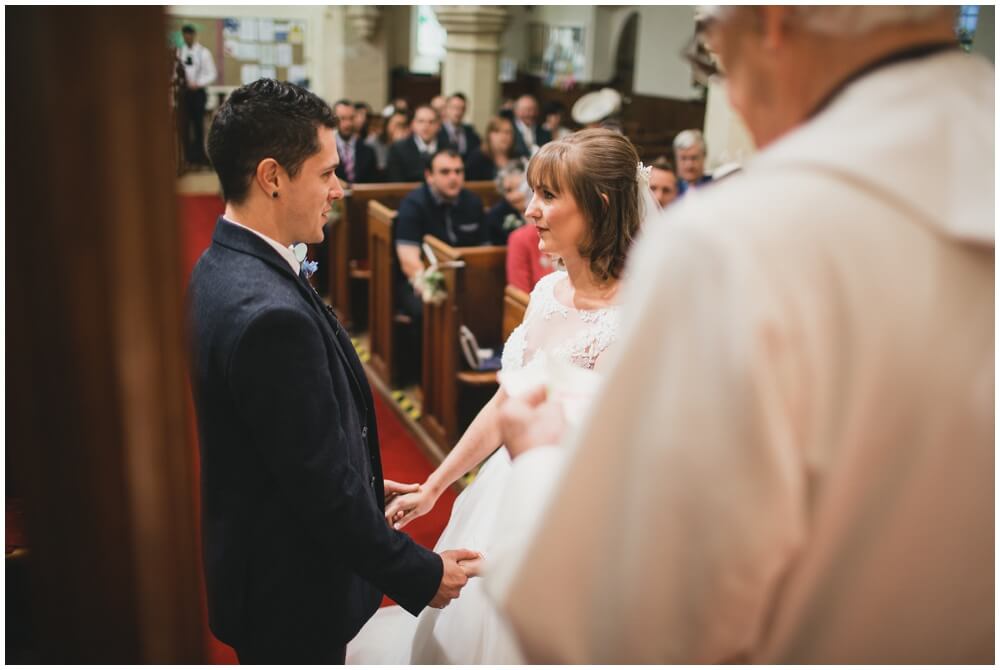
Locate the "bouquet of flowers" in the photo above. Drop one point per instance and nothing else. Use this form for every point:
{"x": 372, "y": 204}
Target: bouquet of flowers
{"x": 512, "y": 222}
{"x": 429, "y": 283}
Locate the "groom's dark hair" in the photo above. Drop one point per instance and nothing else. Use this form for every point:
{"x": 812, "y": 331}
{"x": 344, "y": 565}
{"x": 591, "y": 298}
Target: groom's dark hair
{"x": 265, "y": 119}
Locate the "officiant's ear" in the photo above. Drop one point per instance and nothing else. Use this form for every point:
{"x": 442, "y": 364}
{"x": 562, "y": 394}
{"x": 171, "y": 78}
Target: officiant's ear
{"x": 607, "y": 202}
{"x": 268, "y": 176}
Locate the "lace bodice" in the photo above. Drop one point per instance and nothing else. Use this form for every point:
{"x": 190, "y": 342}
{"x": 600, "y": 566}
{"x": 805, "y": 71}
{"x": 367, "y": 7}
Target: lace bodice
{"x": 574, "y": 335}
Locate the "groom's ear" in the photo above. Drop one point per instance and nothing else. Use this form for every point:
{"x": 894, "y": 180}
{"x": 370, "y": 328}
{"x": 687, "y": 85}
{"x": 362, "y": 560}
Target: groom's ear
{"x": 267, "y": 176}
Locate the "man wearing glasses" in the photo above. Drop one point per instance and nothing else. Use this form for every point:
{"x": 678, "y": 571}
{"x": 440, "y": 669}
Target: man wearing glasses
{"x": 792, "y": 460}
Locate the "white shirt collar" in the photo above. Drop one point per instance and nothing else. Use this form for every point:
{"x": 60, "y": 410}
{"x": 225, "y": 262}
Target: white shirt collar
{"x": 285, "y": 252}
{"x": 426, "y": 147}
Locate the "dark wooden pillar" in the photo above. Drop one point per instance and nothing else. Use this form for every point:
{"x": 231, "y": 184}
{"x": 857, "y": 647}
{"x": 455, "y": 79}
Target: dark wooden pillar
{"x": 97, "y": 438}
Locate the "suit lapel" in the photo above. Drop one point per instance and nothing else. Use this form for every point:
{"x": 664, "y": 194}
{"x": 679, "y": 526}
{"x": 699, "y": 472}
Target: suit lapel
{"x": 342, "y": 343}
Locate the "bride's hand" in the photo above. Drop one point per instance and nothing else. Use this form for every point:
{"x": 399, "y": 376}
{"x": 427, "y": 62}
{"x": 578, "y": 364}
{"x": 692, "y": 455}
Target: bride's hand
{"x": 406, "y": 507}
{"x": 392, "y": 489}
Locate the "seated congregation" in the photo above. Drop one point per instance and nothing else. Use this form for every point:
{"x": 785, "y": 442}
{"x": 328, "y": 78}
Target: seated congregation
{"x": 432, "y": 258}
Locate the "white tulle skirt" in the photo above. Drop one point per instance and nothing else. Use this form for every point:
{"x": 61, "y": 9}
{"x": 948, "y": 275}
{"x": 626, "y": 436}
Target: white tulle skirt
{"x": 469, "y": 630}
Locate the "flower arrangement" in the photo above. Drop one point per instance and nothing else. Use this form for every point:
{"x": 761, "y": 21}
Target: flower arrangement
{"x": 429, "y": 283}
{"x": 512, "y": 222}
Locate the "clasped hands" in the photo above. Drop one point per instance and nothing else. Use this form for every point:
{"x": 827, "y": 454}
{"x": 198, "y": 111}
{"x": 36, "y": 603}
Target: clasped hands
{"x": 458, "y": 564}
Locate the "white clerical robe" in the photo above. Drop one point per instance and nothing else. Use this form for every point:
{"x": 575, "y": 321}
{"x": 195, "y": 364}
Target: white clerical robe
{"x": 792, "y": 457}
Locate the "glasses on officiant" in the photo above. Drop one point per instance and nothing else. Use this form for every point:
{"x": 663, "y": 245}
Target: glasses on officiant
{"x": 704, "y": 64}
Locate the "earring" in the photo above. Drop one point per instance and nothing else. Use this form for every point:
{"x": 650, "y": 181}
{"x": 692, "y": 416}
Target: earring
{"x": 274, "y": 194}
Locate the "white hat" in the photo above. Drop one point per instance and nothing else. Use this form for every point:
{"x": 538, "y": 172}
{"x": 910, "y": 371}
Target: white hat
{"x": 597, "y": 106}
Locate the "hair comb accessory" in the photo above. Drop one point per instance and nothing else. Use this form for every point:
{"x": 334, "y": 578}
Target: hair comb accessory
{"x": 643, "y": 173}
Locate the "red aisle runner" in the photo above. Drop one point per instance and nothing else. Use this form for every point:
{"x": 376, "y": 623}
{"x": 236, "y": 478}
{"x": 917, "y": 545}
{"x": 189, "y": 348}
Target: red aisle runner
{"x": 402, "y": 459}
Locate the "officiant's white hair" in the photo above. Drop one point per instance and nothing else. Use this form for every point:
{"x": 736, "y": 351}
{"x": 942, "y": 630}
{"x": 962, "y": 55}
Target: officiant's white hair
{"x": 844, "y": 20}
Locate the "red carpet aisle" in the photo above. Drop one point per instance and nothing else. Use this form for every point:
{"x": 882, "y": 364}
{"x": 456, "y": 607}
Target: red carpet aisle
{"x": 402, "y": 459}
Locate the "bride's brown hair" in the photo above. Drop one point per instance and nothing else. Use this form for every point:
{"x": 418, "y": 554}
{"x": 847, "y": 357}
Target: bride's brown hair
{"x": 587, "y": 165}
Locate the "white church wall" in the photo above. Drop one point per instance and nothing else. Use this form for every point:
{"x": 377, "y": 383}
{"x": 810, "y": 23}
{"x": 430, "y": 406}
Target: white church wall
{"x": 609, "y": 23}
{"x": 659, "y": 69}
{"x": 514, "y": 39}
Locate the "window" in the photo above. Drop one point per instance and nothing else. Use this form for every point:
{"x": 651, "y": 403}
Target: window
{"x": 430, "y": 42}
{"x": 965, "y": 25}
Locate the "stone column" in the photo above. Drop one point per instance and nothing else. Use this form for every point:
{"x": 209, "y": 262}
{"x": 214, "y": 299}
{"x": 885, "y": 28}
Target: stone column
{"x": 472, "y": 61}
{"x": 355, "y": 55}
{"x": 726, "y": 136}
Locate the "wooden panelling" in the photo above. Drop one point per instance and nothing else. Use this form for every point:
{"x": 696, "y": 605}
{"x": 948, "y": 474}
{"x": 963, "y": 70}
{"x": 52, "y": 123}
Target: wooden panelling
{"x": 515, "y": 304}
{"x": 98, "y": 408}
{"x": 474, "y": 299}
{"x": 381, "y": 290}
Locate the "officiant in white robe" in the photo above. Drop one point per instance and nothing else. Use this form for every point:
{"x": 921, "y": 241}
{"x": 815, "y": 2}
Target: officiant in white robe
{"x": 792, "y": 457}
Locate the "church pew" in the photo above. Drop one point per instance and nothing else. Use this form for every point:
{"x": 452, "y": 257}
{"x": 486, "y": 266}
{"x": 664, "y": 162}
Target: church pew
{"x": 348, "y": 248}
{"x": 475, "y": 298}
{"x": 515, "y": 304}
{"x": 381, "y": 291}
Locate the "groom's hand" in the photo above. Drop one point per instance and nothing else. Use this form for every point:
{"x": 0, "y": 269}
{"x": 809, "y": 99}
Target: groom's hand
{"x": 392, "y": 489}
{"x": 528, "y": 421}
{"x": 454, "y": 577}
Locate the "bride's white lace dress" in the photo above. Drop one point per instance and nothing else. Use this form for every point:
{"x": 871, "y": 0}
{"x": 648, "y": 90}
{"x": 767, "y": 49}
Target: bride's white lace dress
{"x": 469, "y": 630}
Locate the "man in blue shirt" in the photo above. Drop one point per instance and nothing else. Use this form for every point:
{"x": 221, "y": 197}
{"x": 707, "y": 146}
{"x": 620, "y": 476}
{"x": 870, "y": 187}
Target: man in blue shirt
{"x": 440, "y": 207}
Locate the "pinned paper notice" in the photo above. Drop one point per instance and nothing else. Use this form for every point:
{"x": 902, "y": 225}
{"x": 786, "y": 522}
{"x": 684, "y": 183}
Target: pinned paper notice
{"x": 248, "y": 30}
{"x": 249, "y": 74}
{"x": 283, "y": 55}
{"x": 265, "y": 30}
{"x": 269, "y": 72}
{"x": 249, "y": 51}
{"x": 296, "y": 73}
{"x": 267, "y": 54}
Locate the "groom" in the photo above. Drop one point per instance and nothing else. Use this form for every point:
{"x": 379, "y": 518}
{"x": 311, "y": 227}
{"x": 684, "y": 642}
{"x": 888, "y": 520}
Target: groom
{"x": 296, "y": 550}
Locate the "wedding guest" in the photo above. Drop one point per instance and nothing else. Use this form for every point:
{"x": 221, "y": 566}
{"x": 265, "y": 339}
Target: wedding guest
{"x": 441, "y": 207}
{"x": 408, "y": 158}
{"x": 690, "y": 152}
{"x": 199, "y": 71}
{"x": 384, "y": 137}
{"x": 792, "y": 459}
{"x": 553, "y": 112}
{"x": 400, "y": 105}
{"x": 506, "y": 110}
{"x": 438, "y": 104}
{"x": 525, "y": 263}
{"x": 362, "y": 113}
{"x": 358, "y": 164}
{"x": 528, "y": 134}
{"x": 508, "y": 213}
{"x": 460, "y": 136}
{"x": 496, "y": 151}
{"x": 663, "y": 181}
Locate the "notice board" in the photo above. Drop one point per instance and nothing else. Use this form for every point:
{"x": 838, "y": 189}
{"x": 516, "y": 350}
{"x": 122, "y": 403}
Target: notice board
{"x": 247, "y": 49}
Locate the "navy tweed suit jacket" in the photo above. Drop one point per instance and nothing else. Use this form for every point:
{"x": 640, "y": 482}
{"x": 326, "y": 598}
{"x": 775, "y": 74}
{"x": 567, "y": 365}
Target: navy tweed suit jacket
{"x": 296, "y": 549}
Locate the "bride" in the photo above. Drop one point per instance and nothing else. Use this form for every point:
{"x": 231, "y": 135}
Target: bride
{"x": 588, "y": 201}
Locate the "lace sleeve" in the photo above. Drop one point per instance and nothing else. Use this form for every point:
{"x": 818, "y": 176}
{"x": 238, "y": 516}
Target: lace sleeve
{"x": 513, "y": 349}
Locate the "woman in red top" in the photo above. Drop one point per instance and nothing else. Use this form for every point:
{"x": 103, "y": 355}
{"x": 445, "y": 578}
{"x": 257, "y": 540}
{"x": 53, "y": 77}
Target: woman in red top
{"x": 525, "y": 263}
